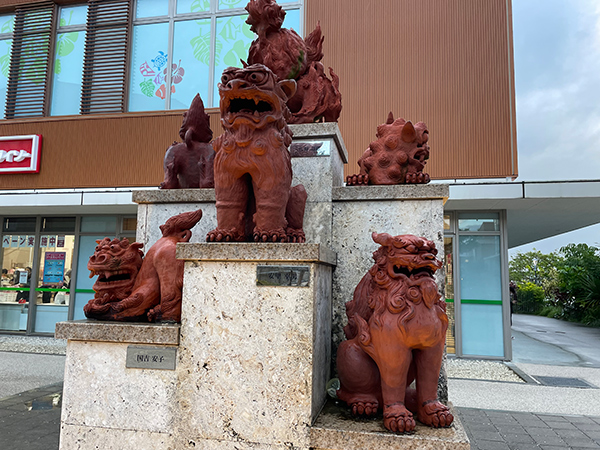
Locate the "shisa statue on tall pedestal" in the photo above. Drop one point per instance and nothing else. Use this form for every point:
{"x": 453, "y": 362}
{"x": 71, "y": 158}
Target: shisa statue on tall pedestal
{"x": 253, "y": 170}
{"x": 396, "y": 334}
{"x": 398, "y": 156}
{"x": 317, "y": 98}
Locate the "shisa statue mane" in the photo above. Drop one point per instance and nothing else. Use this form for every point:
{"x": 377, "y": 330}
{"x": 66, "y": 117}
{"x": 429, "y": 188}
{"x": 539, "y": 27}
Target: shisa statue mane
{"x": 398, "y": 156}
{"x": 131, "y": 289}
{"x": 396, "y": 333}
{"x": 283, "y": 51}
{"x": 189, "y": 164}
{"x": 253, "y": 170}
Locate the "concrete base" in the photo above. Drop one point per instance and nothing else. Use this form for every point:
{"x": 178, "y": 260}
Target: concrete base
{"x": 336, "y": 429}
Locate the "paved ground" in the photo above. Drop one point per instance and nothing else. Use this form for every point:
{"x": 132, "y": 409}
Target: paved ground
{"x": 496, "y": 415}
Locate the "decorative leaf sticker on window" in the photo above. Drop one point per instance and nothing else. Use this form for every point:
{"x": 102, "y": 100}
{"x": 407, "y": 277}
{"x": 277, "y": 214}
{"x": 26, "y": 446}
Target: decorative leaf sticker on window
{"x": 200, "y": 5}
{"x": 5, "y": 59}
{"x": 147, "y": 87}
{"x": 154, "y": 82}
{"x": 8, "y": 26}
{"x": 201, "y": 45}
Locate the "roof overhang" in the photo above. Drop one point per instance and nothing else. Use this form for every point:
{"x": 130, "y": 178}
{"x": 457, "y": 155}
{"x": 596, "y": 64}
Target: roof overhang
{"x": 534, "y": 209}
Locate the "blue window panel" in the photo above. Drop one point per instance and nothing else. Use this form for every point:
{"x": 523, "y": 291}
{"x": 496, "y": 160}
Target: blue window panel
{"x": 232, "y": 43}
{"x": 147, "y": 89}
{"x": 87, "y": 246}
{"x": 4, "y": 67}
{"x": 481, "y": 295}
{"x": 151, "y": 8}
{"x": 191, "y": 62}
{"x": 192, "y": 6}
{"x": 482, "y": 330}
{"x": 292, "y": 20}
{"x": 75, "y": 15}
{"x": 68, "y": 73}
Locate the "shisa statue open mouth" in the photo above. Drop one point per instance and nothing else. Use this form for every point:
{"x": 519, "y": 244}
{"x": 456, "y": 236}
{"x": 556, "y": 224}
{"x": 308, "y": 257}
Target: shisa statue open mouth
{"x": 116, "y": 262}
{"x": 253, "y": 96}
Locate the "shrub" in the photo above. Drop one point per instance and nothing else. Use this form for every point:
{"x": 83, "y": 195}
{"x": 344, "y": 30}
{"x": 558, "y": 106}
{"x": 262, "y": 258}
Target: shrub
{"x": 530, "y": 298}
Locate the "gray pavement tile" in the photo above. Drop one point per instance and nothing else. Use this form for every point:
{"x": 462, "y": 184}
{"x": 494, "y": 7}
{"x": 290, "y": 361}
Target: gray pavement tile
{"x": 553, "y": 447}
{"x": 571, "y": 433}
{"x": 532, "y": 422}
{"x": 518, "y": 439}
{"x": 493, "y": 445}
{"x": 580, "y": 420}
{"x": 592, "y": 434}
{"x": 521, "y": 446}
{"x": 552, "y": 418}
{"x": 481, "y": 427}
{"x": 593, "y": 426}
{"x": 510, "y": 429}
{"x": 540, "y": 431}
{"x": 486, "y": 436}
{"x": 581, "y": 443}
{"x": 549, "y": 440}
{"x": 561, "y": 425}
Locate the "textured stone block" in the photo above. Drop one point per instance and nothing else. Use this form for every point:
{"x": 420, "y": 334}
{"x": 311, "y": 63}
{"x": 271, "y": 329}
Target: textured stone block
{"x": 75, "y": 437}
{"x": 336, "y": 430}
{"x": 253, "y": 360}
{"x": 99, "y": 391}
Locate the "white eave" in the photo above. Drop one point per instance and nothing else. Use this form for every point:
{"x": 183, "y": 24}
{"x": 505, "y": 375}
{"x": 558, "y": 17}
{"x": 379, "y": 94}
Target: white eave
{"x": 534, "y": 209}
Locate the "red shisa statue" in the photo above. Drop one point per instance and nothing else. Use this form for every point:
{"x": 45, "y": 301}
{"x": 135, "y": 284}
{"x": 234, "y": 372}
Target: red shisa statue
{"x": 398, "y": 156}
{"x": 130, "y": 288}
{"x": 253, "y": 170}
{"x": 317, "y": 98}
{"x": 189, "y": 164}
{"x": 396, "y": 333}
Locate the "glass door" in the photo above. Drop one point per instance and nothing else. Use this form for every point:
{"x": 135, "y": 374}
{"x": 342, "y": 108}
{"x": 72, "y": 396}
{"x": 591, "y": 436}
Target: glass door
{"x": 449, "y": 281}
{"x": 17, "y": 263}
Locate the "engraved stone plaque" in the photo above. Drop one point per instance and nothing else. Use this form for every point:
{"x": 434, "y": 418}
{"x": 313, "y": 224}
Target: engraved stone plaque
{"x": 296, "y": 276}
{"x": 147, "y": 357}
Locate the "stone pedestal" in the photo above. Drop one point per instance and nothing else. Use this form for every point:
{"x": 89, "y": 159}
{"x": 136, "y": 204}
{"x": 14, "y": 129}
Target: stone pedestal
{"x": 318, "y": 173}
{"x": 253, "y": 359}
{"x": 105, "y": 404}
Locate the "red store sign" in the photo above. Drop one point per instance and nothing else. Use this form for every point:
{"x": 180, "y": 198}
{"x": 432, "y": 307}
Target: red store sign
{"x": 20, "y": 154}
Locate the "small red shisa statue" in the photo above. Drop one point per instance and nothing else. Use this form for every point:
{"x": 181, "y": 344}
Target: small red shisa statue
{"x": 130, "y": 288}
{"x": 317, "y": 98}
{"x": 398, "y": 156}
{"x": 253, "y": 170}
{"x": 189, "y": 164}
{"x": 396, "y": 334}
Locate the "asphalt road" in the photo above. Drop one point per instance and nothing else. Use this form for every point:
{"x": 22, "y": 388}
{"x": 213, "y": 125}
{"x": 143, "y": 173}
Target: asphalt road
{"x": 20, "y": 372}
{"x": 540, "y": 340}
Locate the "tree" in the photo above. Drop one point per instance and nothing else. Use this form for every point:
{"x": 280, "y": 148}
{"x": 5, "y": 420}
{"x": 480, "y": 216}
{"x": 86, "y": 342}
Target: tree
{"x": 579, "y": 283}
{"x": 537, "y": 268}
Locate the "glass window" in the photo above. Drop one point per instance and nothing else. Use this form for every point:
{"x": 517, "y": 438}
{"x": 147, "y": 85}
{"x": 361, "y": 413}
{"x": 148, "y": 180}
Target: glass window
{"x": 151, "y": 8}
{"x": 478, "y": 222}
{"x": 149, "y": 67}
{"x": 129, "y": 224}
{"x": 98, "y": 224}
{"x": 6, "y": 28}
{"x": 13, "y": 224}
{"x": 83, "y": 289}
{"x": 192, "y": 6}
{"x": 232, "y": 43}
{"x": 481, "y": 295}
{"x": 191, "y": 62}
{"x": 17, "y": 263}
{"x": 64, "y": 224}
{"x": 54, "y": 281}
{"x": 449, "y": 285}
{"x": 68, "y": 61}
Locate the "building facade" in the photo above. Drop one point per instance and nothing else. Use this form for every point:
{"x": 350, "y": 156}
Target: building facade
{"x": 105, "y": 82}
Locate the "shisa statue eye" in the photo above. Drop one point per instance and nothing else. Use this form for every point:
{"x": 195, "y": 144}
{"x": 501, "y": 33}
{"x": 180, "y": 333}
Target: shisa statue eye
{"x": 256, "y": 77}
{"x": 225, "y": 78}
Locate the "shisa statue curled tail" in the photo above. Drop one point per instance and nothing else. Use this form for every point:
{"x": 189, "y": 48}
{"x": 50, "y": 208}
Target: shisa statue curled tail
{"x": 130, "y": 288}
{"x": 396, "y": 334}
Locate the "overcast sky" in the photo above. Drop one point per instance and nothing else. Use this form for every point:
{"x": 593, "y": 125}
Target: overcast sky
{"x": 557, "y": 73}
